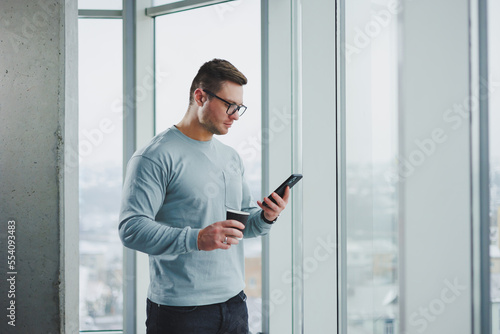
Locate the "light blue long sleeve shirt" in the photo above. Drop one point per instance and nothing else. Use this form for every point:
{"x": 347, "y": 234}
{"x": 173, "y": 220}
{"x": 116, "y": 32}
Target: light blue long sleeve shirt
{"x": 174, "y": 187}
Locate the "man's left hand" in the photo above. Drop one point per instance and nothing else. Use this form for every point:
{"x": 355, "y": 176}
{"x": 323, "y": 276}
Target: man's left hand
{"x": 272, "y": 210}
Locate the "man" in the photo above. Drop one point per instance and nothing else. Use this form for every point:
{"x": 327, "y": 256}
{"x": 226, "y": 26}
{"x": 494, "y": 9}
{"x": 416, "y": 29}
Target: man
{"x": 175, "y": 196}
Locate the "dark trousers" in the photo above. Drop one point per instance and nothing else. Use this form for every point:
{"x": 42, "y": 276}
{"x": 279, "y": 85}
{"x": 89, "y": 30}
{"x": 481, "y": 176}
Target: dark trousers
{"x": 230, "y": 317}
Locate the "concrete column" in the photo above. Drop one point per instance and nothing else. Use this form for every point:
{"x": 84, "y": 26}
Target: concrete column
{"x": 38, "y": 167}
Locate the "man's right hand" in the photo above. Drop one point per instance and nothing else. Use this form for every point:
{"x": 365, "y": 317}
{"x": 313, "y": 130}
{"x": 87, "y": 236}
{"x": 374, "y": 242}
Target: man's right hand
{"x": 214, "y": 236}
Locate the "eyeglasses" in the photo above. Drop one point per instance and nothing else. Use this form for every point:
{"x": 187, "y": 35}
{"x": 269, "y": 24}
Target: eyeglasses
{"x": 231, "y": 108}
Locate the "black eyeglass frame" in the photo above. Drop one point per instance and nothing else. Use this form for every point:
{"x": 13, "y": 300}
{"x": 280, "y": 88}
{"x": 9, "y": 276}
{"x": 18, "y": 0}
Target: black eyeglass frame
{"x": 238, "y": 107}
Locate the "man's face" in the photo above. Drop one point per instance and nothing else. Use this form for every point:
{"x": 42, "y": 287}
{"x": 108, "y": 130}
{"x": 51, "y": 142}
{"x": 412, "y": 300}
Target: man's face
{"x": 213, "y": 116}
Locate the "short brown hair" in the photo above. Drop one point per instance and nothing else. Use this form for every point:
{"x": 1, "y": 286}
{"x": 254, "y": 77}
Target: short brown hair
{"x": 212, "y": 74}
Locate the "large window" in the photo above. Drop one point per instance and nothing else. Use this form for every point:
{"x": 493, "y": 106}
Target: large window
{"x": 376, "y": 175}
{"x": 230, "y": 31}
{"x": 100, "y": 151}
{"x": 371, "y": 175}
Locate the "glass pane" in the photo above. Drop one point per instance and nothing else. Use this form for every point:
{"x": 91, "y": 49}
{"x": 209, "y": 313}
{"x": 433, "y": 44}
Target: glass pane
{"x": 371, "y": 167}
{"x": 100, "y": 4}
{"x": 230, "y": 31}
{"x": 494, "y": 146}
{"x": 100, "y": 151}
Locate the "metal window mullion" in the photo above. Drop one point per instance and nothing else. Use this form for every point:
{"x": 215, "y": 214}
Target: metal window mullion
{"x": 341, "y": 171}
{"x": 401, "y": 265}
{"x": 480, "y": 189}
{"x": 297, "y": 223}
{"x": 129, "y": 146}
{"x": 266, "y": 293}
{"x": 181, "y": 6}
{"x": 100, "y": 14}
{"x": 484, "y": 171}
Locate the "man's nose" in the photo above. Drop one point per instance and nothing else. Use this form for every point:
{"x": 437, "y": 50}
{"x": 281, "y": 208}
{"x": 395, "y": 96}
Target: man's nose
{"x": 235, "y": 116}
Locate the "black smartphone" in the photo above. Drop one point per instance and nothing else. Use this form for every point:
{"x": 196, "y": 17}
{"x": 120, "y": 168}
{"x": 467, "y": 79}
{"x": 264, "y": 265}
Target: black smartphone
{"x": 290, "y": 182}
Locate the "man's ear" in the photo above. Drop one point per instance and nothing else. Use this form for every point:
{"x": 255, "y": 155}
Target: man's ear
{"x": 199, "y": 96}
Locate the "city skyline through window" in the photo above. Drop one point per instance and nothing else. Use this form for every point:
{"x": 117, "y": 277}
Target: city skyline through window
{"x": 100, "y": 152}
{"x": 371, "y": 178}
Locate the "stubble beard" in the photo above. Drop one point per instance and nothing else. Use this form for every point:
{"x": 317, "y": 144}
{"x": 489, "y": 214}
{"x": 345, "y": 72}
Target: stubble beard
{"x": 211, "y": 128}
{"x": 210, "y": 125}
